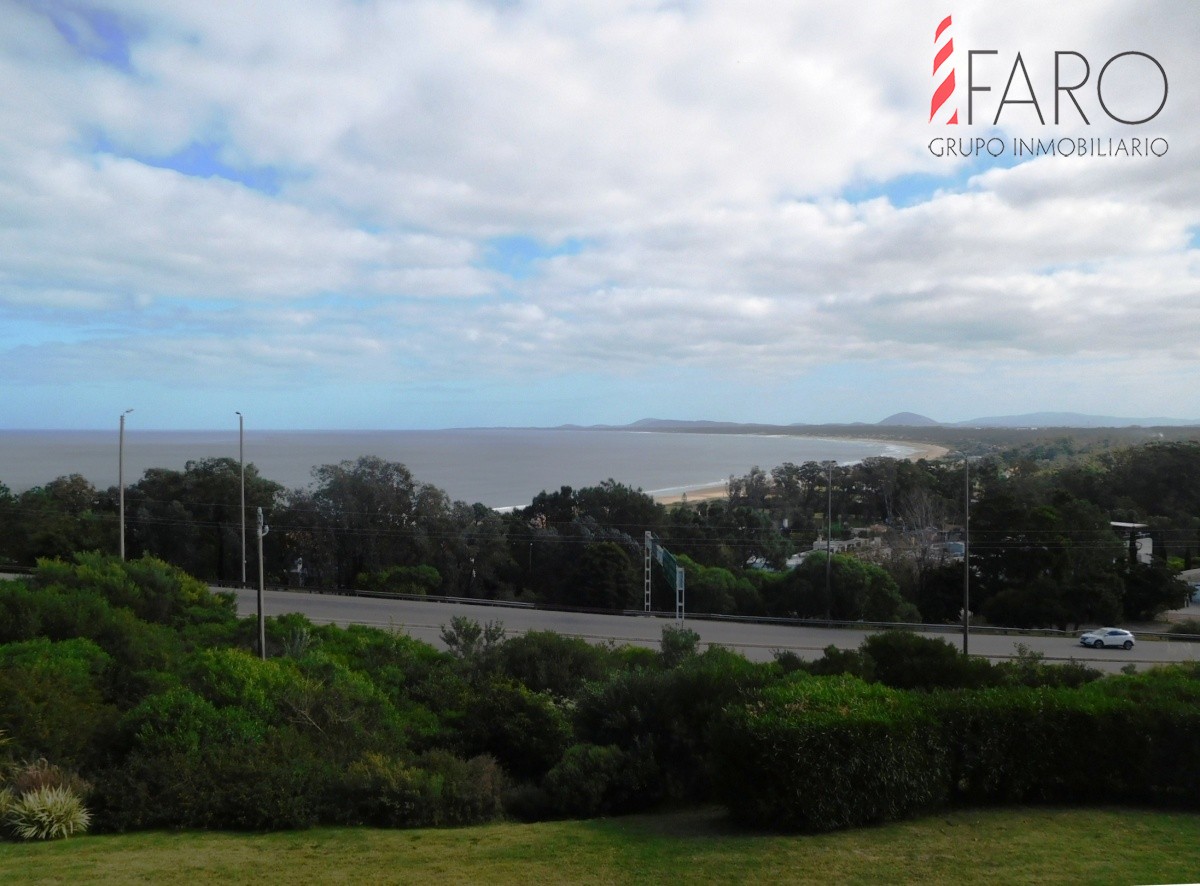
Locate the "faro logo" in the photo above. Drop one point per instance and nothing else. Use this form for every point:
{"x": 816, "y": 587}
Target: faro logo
{"x": 1069, "y": 93}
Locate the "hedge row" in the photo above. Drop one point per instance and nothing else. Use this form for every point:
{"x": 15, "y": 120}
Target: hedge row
{"x": 819, "y": 754}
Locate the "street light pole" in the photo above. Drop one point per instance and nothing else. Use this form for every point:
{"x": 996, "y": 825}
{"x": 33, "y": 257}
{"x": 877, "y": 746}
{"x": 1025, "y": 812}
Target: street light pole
{"x": 121, "y": 481}
{"x": 242, "y": 463}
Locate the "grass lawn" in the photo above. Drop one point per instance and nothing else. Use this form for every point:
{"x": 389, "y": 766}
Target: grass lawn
{"x": 1024, "y": 845}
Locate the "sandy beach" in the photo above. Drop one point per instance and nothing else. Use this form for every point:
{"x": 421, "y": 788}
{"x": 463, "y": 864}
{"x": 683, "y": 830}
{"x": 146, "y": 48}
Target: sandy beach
{"x": 920, "y": 451}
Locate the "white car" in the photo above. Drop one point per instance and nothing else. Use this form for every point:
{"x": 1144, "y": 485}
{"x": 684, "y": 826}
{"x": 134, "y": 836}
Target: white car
{"x": 1102, "y": 637}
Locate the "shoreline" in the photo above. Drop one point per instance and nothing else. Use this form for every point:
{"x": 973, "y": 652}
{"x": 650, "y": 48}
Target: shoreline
{"x": 713, "y": 491}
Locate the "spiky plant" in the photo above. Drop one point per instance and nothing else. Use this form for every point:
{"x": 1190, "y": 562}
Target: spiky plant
{"x": 7, "y": 798}
{"x": 47, "y": 813}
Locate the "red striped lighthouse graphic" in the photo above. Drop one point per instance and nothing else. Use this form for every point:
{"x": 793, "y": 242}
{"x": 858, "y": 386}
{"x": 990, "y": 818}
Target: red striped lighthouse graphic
{"x": 945, "y": 88}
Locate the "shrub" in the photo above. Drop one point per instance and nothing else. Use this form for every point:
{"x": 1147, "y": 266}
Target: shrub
{"x": 1190, "y": 627}
{"x": 434, "y": 789}
{"x": 633, "y": 658}
{"x": 818, "y": 754}
{"x": 178, "y": 721}
{"x": 47, "y": 813}
{"x": 668, "y": 714}
{"x": 383, "y": 791}
{"x": 836, "y": 661}
{"x": 677, "y": 645}
{"x": 1029, "y": 668}
{"x": 528, "y": 802}
{"x": 51, "y": 698}
{"x": 464, "y": 791}
{"x": 468, "y": 640}
{"x": 904, "y": 660}
{"x": 1018, "y": 744}
{"x": 525, "y": 731}
{"x": 154, "y": 590}
{"x": 419, "y": 580}
{"x": 593, "y": 780}
{"x": 338, "y": 708}
{"x": 278, "y": 782}
{"x": 58, "y": 613}
{"x": 548, "y": 662}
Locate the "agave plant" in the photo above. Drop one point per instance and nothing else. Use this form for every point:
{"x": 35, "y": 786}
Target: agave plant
{"x": 47, "y": 813}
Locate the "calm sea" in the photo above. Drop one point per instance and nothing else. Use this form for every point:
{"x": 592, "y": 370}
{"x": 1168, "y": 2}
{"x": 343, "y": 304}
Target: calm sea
{"x": 498, "y": 467}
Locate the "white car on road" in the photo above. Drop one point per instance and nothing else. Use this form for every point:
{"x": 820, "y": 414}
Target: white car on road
{"x": 1102, "y": 637}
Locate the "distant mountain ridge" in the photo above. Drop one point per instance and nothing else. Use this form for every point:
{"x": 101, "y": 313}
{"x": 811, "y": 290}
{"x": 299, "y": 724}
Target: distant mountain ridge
{"x": 1073, "y": 420}
{"x": 1039, "y": 420}
{"x": 916, "y": 420}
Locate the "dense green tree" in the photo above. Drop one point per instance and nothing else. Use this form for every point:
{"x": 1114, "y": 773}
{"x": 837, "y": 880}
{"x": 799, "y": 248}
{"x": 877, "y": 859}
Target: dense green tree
{"x": 940, "y": 598}
{"x": 798, "y": 492}
{"x": 1042, "y": 564}
{"x": 1151, "y": 589}
{"x": 857, "y": 591}
{"x": 547, "y": 541}
{"x": 364, "y": 516}
{"x": 55, "y": 520}
{"x": 475, "y": 543}
{"x": 609, "y": 503}
{"x": 724, "y": 534}
{"x": 401, "y": 580}
{"x": 883, "y": 484}
{"x": 193, "y": 518}
{"x": 604, "y": 578}
{"x": 714, "y": 589}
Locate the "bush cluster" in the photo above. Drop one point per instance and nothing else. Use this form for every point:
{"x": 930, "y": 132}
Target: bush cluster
{"x": 820, "y": 754}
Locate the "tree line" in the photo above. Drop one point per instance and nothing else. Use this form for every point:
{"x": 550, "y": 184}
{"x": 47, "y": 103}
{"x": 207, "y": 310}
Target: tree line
{"x": 1042, "y": 548}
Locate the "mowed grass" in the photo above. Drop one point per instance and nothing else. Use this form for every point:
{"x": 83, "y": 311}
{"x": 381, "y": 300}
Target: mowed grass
{"x": 1025, "y": 845}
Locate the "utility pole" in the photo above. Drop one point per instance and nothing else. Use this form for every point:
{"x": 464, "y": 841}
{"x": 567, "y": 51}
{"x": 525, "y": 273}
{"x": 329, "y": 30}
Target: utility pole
{"x": 262, "y": 624}
{"x": 828, "y": 536}
{"x": 121, "y": 480}
{"x": 966, "y": 607}
{"x": 242, "y": 463}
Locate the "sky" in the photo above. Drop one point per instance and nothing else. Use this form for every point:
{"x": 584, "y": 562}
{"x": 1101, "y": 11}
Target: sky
{"x": 352, "y": 214}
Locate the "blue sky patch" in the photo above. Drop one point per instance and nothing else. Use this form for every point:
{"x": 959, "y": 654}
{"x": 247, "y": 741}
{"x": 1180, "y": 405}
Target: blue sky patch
{"x": 203, "y": 160}
{"x": 921, "y": 187}
{"x": 95, "y": 34}
{"x": 518, "y": 256}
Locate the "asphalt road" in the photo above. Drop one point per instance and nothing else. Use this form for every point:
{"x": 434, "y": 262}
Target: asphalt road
{"x": 424, "y": 619}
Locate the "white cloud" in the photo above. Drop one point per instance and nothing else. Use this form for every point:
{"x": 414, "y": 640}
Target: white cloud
{"x": 699, "y": 152}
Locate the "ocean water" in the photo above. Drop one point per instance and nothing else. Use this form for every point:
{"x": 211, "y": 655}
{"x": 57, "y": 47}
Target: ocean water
{"x": 498, "y": 467}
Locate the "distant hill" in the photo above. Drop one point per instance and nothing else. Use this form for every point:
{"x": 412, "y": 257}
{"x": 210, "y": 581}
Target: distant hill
{"x": 1072, "y": 420}
{"x": 900, "y": 420}
{"x": 646, "y": 423}
{"x": 909, "y": 420}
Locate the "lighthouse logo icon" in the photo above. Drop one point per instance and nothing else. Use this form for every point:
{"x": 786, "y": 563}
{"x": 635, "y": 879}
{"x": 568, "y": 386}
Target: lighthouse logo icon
{"x": 942, "y": 61}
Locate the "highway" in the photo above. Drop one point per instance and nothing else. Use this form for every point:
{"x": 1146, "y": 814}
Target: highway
{"x": 423, "y": 620}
